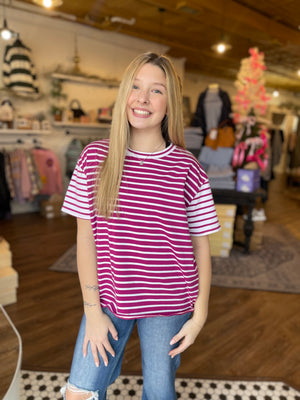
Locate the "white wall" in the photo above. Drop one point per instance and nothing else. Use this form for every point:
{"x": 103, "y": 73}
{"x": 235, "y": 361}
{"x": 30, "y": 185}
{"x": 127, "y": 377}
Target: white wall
{"x": 102, "y": 53}
{"x": 52, "y": 41}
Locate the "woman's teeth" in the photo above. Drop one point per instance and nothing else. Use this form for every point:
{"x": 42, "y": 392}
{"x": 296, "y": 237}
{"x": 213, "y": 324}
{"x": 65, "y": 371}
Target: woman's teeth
{"x": 141, "y": 112}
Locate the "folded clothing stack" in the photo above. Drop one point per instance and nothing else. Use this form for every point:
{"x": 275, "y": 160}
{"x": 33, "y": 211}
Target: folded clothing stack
{"x": 221, "y": 241}
{"x": 217, "y": 164}
{"x": 8, "y": 276}
{"x": 193, "y": 137}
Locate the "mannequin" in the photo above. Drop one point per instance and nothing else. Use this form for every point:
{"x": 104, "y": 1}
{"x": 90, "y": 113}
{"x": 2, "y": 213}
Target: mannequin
{"x": 213, "y": 107}
{"x": 213, "y": 87}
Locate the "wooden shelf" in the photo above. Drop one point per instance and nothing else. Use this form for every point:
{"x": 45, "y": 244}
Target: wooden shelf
{"x": 78, "y": 125}
{"x": 86, "y": 80}
{"x": 23, "y": 132}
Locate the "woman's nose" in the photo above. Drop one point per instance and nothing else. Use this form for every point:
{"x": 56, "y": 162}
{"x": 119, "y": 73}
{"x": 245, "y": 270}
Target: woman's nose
{"x": 143, "y": 97}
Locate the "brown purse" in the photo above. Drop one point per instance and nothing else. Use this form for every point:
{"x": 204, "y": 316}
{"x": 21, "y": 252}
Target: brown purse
{"x": 226, "y": 136}
{"x": 223, "y": 136}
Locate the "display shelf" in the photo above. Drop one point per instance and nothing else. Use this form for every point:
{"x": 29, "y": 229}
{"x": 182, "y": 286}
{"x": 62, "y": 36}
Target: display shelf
{"x": 23, "y": 132}
{"x": 86, "y": 80}
{"x": 78, "y": 125}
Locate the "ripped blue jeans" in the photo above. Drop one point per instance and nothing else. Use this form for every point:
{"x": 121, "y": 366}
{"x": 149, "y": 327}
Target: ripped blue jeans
{"x": 159, "y": 368}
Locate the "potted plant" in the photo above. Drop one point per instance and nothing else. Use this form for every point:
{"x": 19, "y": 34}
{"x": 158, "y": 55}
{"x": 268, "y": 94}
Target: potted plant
{"x": 58, "y": 99}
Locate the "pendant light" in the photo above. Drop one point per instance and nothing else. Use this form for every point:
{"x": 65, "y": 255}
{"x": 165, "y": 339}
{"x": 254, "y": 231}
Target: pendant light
{"x": 223, "y": 45}
{"x": 5, "y": 32}
{"x": 48, "y": 3}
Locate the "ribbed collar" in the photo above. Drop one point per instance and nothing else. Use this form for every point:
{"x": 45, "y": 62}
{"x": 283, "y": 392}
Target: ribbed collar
{"x": 147, "y": 156}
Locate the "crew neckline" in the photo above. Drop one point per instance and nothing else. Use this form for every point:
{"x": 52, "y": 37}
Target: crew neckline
{"x": 156, "y": 154}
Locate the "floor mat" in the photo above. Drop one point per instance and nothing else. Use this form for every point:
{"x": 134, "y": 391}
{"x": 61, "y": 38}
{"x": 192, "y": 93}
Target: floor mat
{"x": 274, "y": 267}
{"x": 46, "y": 386}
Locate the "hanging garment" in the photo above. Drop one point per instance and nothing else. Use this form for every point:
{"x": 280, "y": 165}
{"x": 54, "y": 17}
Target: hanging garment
{"x": 30, "y": 173}
{"x": 20, "y": 177}
{"x": 36, "y": 183}
{"x": 217, "y": 110}
{"x": 8, "y": 175}
{"x": 72, "y": 155}
{"x": 295, "y": 149}
{"x": 213, "y": 108}
{"x": 15, "y": 164}
{"x": 18, "y": 70}
{"x": 4, "y": 191}
{"x": 26, "y": 187}
{"x": 49, "y": 170}
{"x": 277, "y": 139}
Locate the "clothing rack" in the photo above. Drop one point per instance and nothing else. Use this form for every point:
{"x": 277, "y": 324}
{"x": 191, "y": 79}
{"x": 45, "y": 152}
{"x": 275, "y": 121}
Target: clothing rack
{"x": 77, "y": 133}
{"x": 20, "y": 141}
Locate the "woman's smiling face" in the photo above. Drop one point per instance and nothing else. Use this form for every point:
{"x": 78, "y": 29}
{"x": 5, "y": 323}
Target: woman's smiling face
{"x": 147, "y": 101}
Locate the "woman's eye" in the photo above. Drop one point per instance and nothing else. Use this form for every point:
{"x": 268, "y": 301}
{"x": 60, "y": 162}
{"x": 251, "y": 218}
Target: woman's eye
{"x": 157, "y": 91}
{"x": 134, "y": 87}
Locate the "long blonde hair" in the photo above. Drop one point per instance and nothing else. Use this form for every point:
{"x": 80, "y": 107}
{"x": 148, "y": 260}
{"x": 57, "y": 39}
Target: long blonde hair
{"x": 110, "y": 171}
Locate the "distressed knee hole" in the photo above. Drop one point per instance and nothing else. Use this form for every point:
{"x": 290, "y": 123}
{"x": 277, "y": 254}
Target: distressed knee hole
{"x": 82, "y": 393}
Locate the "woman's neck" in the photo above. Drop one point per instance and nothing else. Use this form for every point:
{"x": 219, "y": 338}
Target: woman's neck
{"x": 147, "y": 143}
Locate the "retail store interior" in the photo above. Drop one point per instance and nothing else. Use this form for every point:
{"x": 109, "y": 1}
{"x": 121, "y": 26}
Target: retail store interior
{"x": 241, "y": 111}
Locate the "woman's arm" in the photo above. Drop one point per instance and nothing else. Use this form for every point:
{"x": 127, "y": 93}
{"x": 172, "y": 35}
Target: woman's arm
{"x": 98, "y": 324}
{"x": 193, "y": 326}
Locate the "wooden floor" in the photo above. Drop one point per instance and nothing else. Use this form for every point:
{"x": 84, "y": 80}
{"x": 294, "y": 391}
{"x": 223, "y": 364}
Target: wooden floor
{"x": 9, "y": 352}
{"x": 249, "y": 334}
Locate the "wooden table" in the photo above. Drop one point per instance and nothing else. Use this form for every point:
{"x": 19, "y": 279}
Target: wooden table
{"x": 228, "y": 196}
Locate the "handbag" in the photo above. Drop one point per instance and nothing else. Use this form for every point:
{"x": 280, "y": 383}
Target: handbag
{"x": 211, "y": 139}
{"x": 76, "y": 109}
{"x": 6, "y": 110}
{"x": 6, "y": 114}
{"x": 226, "y": 136}
{"x": 223, "y": 136}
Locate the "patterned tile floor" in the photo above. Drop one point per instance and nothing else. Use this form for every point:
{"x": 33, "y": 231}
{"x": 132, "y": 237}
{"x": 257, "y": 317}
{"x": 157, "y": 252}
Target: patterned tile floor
{"x": 46, "y": 386}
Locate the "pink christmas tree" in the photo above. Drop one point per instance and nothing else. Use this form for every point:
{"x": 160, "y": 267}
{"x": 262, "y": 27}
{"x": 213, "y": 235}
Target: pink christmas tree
{"x": 249, "y": 105}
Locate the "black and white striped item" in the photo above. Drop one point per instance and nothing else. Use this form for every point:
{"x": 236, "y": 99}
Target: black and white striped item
{"x": 18, "y": 70}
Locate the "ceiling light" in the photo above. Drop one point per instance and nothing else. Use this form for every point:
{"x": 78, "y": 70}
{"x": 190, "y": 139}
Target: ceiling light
{"x": 7, "y": 33}
{"x": 221, "y": 47}
{"x": 298, "y": 72}
{"x": 48, "y": 3}
{"x": 275, "y": 93}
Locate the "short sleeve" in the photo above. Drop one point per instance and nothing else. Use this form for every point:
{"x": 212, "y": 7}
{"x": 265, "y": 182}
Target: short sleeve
{"x": 76, "y": 200}
{"x": 200, "y": 207}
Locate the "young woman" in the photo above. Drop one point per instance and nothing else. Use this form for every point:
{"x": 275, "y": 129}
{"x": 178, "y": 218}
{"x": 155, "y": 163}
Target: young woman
{"x": 144, "y": 211}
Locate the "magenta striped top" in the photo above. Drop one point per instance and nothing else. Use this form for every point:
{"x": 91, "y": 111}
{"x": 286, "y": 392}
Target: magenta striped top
{"x": 145, "y": 260}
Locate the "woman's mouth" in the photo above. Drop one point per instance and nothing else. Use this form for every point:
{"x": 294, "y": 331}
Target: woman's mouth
{"x": 142, "y": 113}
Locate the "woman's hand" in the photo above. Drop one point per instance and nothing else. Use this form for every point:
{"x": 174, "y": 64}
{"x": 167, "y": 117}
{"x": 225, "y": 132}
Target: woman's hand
{"x": 187, "y": 335}
{"x": 191, "y": 329}
{"x": 96, "y": 332}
